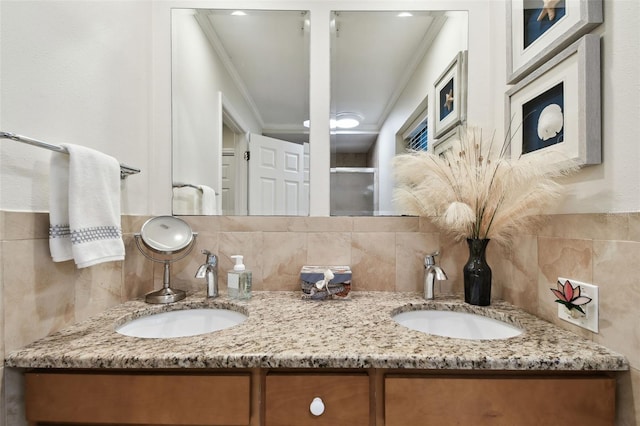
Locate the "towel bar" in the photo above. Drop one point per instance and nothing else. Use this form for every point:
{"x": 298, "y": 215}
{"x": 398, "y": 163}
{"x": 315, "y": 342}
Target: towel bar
{"x": 188, "y": 185}
{"x": 124, "y": 169}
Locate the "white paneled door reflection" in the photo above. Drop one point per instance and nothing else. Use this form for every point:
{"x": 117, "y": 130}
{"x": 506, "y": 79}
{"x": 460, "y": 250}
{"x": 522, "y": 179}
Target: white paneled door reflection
{"x": 276, "y": 177}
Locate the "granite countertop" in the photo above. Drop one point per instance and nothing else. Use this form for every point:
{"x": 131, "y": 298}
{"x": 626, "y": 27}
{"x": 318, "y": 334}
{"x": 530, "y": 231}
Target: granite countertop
{"x": 284, "y": 331}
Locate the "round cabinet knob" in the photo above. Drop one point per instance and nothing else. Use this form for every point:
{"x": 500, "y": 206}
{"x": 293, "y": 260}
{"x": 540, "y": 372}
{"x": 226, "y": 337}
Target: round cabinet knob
{"x": 317, "y": 406}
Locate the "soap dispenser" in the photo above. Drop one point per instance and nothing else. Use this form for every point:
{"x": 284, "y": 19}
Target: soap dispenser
{"x": 239, "y": 280}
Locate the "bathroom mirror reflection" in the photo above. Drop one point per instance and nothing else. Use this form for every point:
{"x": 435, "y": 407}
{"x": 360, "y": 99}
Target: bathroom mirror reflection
{"x": 383, "y": 68}
{"x": 240, "y": 79}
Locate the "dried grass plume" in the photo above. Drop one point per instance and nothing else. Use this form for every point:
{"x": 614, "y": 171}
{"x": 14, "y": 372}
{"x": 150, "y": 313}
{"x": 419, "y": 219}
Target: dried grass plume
{"x": 475, "y": 191}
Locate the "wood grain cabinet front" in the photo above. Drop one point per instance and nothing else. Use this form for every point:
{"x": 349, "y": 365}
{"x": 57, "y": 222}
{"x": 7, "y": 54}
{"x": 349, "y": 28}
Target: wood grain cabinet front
{"x": 498, "y": 401}
{"x": 129, "y": 398}
{"x": 317, "y": 399}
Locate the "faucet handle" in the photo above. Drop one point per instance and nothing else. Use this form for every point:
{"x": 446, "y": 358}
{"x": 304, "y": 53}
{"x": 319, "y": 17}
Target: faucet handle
{"x": 430, "y": 259}
{"x": 212, "y": 259}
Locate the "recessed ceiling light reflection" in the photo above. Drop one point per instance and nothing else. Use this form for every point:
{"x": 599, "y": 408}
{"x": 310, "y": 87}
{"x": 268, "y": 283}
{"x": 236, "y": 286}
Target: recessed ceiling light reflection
{"x": 345, "y": 120}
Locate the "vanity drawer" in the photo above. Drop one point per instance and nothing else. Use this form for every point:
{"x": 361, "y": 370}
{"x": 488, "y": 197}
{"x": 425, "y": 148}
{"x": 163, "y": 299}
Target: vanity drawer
{"x": 345, "y": 397}
{"x": 497, "y": 401}
{"x": 158, "y": 399}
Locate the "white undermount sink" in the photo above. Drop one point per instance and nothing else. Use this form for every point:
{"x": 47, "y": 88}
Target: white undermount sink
{"x": 182, "y": 323}
{"x": 460, "y": 325}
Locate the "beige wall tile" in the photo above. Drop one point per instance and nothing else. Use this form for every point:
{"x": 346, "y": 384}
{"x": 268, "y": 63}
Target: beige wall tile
{"x": 328, "y": 248}
{"x": 453, "y": 256}
{"x": 426, "y": 225}
{"x": 253, "y": 223}
{"x": 137, "y": 273}
{"x": 203, "y": 224}
{"x": 586, "y": 226}
{"x": 500, "y": 261}
{"x": 23, "y": 226}
{"x": 567, "y": 258}
{"x": 40, "y": 296}
{"x": 133, "y": 224}
{"x": 321, "y": 224}
{"x": 411, "y": 248}
{"x": 284, "y": 254}
{"x": 373, "y": 257}
{"x": 386, "y": 224}
{"x": 97, "y": 289}
{"x": 248, "y": 244}
{"x": 40, "y": 293}
{"x": 615, "y": 271}
{"x": 634, "y": 227}
{"x": 521, "y": 286}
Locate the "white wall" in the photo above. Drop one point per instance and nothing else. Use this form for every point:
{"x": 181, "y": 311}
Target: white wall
{"x": 98, "y": 74}
{"x": 74, "y": 72}
{"x": 612, "y": 186}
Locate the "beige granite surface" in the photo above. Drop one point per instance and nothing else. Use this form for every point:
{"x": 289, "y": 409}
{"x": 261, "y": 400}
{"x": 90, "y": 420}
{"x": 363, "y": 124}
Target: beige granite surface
{"x": 283, "y": 331}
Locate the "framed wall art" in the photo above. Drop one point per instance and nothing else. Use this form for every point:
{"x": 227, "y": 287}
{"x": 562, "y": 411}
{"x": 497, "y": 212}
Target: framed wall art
{"x": 539, "y": 29}
{"x": 557, "y": 107}
{"x": 451, "y": 96}
{"x": 444, "y": 146}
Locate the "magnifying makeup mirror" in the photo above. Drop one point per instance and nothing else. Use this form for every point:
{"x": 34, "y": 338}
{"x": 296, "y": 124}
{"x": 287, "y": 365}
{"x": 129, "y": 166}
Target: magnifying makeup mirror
{"x": 165, "y": 235}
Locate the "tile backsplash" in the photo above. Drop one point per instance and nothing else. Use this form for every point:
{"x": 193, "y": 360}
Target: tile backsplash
{"x": 385, "y": 254}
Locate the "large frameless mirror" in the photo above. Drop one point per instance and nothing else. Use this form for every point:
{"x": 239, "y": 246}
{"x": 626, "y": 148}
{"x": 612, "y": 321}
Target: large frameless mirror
{"x": 240, "y": 83}
{"x": 384, "y": 65}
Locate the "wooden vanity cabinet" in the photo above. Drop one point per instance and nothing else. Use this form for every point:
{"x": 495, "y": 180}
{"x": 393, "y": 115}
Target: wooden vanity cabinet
{"x": 274, "y": 397}
{"x": 88, "y": 398}
{"x": 343, "y": 399}
{"x": 523, "y": 400}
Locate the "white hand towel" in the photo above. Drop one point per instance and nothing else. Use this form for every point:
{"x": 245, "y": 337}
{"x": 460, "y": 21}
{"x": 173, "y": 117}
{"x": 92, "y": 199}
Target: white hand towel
{"x": 92, "y": 206}
{"x": 209, "y": 203}
{"x": 59, "y": 232}
{"x": 186, "y": 201}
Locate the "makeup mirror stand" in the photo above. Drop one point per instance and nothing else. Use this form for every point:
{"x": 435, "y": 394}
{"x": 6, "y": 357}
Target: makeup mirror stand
{"x": 160, "y": 244}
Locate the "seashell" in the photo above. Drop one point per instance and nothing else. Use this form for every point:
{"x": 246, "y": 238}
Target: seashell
{"x": 550, "y": 122}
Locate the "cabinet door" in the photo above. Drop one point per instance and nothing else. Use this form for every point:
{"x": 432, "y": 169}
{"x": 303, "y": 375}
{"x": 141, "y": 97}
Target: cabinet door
{"x": 123, "y": 399}
{"x": 345, "y": 397}
{"x": 530, "y": 401}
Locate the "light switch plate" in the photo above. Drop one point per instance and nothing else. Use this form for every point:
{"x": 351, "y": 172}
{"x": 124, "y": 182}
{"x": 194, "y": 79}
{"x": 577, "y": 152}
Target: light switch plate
{"x": 588, "y": 321}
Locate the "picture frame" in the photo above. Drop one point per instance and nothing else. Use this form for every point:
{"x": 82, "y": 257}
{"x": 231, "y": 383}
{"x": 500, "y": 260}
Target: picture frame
{"x": 557, "y": 107}
{"x": 531, "y": 42}
{"x": 446, "y": 144}
{"x": 451, "y": 95}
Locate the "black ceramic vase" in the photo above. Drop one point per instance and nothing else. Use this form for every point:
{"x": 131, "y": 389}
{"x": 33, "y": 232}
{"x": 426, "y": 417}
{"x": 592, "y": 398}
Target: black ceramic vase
{"x": 477, "y": 274}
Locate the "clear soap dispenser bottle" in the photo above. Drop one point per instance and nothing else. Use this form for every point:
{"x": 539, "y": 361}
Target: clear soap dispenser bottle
{"x": 239, "y": 280}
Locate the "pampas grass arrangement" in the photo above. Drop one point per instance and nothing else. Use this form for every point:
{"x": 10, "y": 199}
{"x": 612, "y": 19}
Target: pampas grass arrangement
{"x": 474, "y": 191}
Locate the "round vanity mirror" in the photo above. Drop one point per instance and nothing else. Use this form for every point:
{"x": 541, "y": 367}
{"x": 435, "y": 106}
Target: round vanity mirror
{"x": 166, "y": 234}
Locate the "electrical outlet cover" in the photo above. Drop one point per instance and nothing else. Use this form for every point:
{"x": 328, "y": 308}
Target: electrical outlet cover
{"x": 590, "y": 319}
